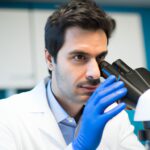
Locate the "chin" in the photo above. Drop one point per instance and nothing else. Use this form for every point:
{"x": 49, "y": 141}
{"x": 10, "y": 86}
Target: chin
{"x": 83, "y": 99}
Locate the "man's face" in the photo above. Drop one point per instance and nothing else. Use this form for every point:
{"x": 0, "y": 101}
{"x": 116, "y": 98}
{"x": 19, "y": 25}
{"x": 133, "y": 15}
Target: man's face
{"x": 77, "y": 61}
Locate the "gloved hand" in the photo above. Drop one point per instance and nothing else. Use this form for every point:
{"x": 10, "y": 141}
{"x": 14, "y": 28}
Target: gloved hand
{"x": 94, "y": 118}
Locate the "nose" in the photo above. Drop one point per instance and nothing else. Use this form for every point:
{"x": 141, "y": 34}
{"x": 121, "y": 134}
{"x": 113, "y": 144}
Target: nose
{"x": 93, "y": 70}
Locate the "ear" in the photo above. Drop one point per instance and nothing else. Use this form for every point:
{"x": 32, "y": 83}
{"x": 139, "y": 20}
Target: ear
{"x": 48, "y": 58}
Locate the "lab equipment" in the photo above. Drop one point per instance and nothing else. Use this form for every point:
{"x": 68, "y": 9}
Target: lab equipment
{"x": 137, "y": 81}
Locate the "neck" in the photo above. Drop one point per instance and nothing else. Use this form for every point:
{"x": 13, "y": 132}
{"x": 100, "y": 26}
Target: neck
{"x": 71, "y": 108}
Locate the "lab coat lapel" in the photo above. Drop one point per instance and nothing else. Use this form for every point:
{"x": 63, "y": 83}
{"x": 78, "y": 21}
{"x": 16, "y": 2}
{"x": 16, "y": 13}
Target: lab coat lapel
{"x": 44, "y": 118}
{"x": 49, "y": 129}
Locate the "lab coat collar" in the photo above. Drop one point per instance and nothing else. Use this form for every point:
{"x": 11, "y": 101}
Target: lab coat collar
{"x": 47, "y": 123}
{"x": 45, "y": 119}
{"x": 34, "y": 100}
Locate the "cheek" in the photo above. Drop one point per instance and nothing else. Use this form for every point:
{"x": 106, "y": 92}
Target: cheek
{"x": 75, "y": 75}
{"x": 70, "y": 73}
{"x": 64, "y": 75}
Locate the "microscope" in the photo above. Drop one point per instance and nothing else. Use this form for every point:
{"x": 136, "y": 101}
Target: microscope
{"x": 137, "y": 81}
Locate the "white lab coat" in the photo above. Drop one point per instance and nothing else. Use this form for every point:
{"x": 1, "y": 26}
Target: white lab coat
{"x": 27, "y": 123}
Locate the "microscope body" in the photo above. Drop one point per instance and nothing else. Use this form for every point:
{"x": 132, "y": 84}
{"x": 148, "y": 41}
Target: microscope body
{"x": 137, "y": 82}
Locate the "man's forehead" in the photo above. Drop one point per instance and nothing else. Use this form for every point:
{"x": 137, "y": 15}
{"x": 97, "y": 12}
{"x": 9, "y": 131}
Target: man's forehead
{"x": 86, "y": 42}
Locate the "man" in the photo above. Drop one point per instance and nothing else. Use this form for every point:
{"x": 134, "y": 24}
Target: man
{"x": 71, "y": 109}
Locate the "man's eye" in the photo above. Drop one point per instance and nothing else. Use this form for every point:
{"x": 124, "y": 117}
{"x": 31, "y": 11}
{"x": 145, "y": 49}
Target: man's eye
{"x": 80, "y": 58}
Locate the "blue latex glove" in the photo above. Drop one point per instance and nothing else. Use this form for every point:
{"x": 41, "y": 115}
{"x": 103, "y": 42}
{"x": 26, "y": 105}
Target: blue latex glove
{"x": 94, "y": 118}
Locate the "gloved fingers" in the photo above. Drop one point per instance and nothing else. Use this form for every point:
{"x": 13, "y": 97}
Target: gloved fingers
{"x": 110, "y": 99}
{"x": 108, "y": 90}
{"x": 108, "y": 81}
{"x": 113, "y": 112}
{"x": 103, "y": 85}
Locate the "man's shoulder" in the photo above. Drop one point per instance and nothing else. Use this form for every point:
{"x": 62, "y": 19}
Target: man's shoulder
{"x": 32, "y": 100}
{"x": 14, "y": 102}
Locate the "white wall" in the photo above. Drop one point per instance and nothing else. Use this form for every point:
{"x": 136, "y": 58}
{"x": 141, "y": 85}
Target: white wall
{"x": 22, "y": 62}
{"x": 127, "y": 41}
{"x": 16, "y": 65}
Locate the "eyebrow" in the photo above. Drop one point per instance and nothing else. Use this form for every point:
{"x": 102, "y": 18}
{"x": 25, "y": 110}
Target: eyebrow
{"x": 103, "y": 54}
{"x": 78, "y": 52}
